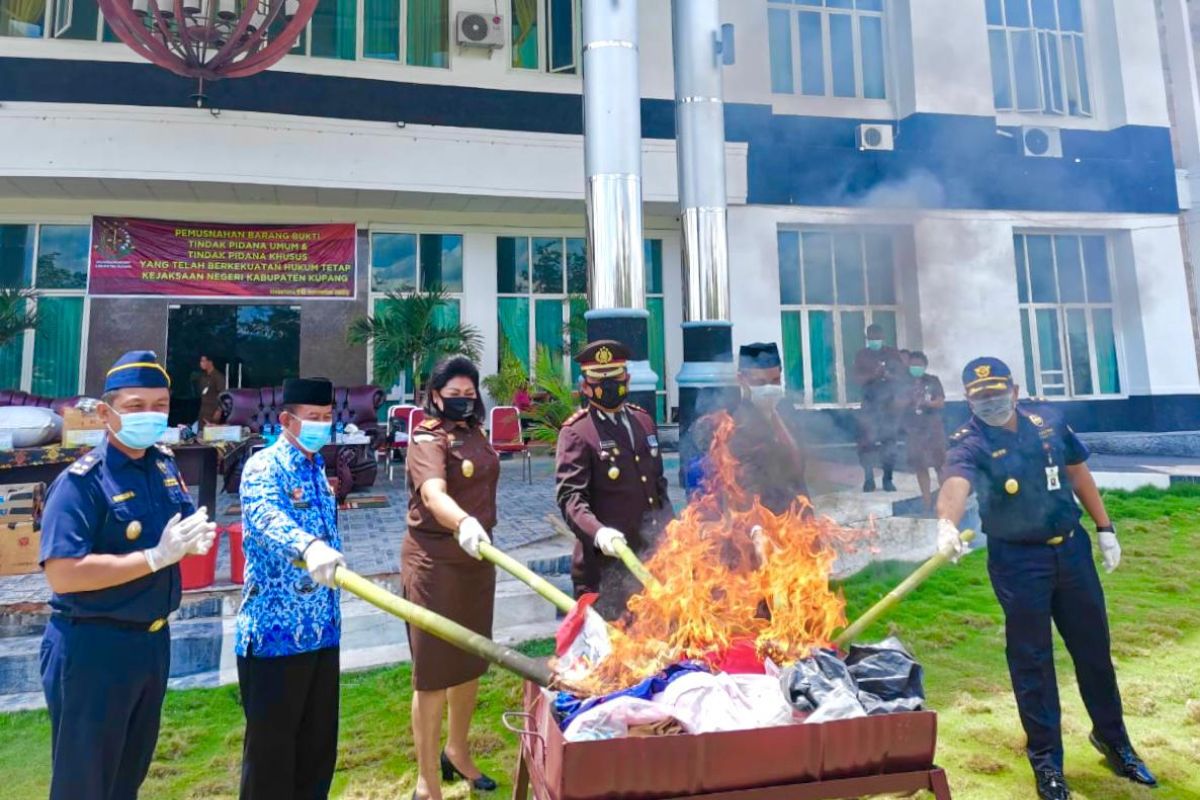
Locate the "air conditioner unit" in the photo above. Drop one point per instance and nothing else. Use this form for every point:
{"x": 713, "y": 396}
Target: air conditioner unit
{"x": 1041, "y": 142}
{"x": 480, "y": 30}
{"x": 876, "y": 137}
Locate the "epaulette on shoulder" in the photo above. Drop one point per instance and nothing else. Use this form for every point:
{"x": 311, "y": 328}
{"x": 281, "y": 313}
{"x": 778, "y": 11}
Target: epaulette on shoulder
{"x": 166, "y": 451}
{"x": 84, "y": 464}
{"x": 959, "y": 434}
{"x": 430, "y": 424}
{"x": 578, "y": 415}
{"x": 636, "y": 407}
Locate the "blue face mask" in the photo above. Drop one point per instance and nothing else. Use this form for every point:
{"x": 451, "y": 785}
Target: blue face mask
{"x": 141, "y": 429}
{"x": 916, "y": 371}
{"x": 875, "y": 344}
{"x": 314, "y": 435}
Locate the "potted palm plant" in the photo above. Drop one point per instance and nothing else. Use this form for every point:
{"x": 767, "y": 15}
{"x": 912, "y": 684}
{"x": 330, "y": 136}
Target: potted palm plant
{"x": 557, "y": 399}
{"x": 16, "y": 317}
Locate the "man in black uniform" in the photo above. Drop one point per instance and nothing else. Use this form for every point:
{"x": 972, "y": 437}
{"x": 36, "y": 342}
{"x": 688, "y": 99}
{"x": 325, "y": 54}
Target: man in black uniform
{"x": 1028, "y": 468}
{"x": 881, "y": 372}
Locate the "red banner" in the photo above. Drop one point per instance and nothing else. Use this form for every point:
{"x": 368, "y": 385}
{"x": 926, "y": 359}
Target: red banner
{"x": 137, "y": 257}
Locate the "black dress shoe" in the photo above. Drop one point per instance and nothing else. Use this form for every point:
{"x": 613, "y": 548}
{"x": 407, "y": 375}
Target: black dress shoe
{"x": 888, "y": 486}
{"x": 1051, "y": 785}
{"x": 1125, "y": 762}
{"x": 451, "y": 773}
{"x": 869, "y": 485}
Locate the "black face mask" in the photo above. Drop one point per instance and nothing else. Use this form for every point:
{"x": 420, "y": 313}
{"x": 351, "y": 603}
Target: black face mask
{"x": 458, "y": 409}
{"x": 609, "y": 393}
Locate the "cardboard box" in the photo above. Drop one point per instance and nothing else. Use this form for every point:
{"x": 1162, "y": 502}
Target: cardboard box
{"x": 170, "y": 436}
{"x": 20, "y": 543}
{"x": 22, "y": 502}
{"x": 82, "y": 428}
{"x": 222, "y": 433}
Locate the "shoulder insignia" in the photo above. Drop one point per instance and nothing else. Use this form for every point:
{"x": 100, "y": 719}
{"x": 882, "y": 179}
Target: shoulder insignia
{"x": 84, "y": 464}
{"x": 423, "y": 438}
{"x": 636, "y": 407}
{"x": 578, "y": 415}
{"x": 431, "y": 424}
{"x": 1037, "y": 420}
{"x": 166, "y": 451}
{"x": 959, "y": 434}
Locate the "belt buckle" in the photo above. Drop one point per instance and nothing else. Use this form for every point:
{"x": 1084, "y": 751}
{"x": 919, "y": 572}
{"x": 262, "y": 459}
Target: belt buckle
{"x": 157, "y": 625}
{"x": 1056, "y": 541}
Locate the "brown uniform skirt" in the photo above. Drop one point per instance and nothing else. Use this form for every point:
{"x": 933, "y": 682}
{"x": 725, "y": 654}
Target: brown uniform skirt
{"x": 436, "y": 574}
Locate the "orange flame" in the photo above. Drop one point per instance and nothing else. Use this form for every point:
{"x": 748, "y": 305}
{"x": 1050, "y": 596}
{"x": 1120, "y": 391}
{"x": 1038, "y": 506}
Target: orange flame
{"x": 730, "y": 571}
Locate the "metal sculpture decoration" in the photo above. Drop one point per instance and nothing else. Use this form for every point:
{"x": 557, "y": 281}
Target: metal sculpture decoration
{"x": 209, "y": 39}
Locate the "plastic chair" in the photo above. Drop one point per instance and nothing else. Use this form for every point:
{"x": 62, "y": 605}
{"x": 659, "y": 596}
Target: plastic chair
{"x": 398, "y": 429}
{"x": 504, "y": 435}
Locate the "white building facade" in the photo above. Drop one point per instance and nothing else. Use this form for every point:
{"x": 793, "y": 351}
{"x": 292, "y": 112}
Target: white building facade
{"x": 978, "y": 176}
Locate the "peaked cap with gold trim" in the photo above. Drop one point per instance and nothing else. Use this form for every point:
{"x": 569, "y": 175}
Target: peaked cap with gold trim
{"x": 986, "y": 374}
{"x": 603, "y": 358}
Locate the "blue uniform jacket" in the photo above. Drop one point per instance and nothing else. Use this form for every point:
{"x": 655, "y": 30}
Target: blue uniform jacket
{"x": 108, "y": 503}
{"x": 1015, "y": 474}
{"x": 286, "y": 503}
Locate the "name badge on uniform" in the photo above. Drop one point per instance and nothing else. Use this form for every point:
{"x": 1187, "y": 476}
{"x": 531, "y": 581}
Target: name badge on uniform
{"x": 653, "y": 442}
{"x": 1053, "y": 483}
{"x": 298, "y": 501}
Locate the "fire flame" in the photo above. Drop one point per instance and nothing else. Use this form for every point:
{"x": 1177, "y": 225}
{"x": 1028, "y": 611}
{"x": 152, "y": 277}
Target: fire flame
{"x": 730, "y": 571}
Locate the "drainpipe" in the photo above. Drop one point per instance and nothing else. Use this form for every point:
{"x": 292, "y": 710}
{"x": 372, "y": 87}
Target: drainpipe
{"x": 612, "y": 141}
{"x": 707, "y": 379}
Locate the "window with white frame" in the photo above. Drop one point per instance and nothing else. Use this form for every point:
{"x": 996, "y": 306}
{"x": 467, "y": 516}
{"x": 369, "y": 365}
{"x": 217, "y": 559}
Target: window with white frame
{"x": 1039, "y": 59}
{"x": 51, "y": 262}
{"x": 546, "y": 35}
{"x": 832, "y": 285}
{"x": 1068, "y": 323}
{"x": 827, "y": 48}
{"x": 402, "y": 262}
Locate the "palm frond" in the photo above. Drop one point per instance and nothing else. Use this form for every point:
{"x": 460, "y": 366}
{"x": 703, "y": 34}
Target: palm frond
{"x": 16, "y": 315}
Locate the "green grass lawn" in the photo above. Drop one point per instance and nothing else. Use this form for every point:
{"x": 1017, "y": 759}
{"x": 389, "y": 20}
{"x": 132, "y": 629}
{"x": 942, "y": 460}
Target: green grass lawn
{"x": 952, "y": 623}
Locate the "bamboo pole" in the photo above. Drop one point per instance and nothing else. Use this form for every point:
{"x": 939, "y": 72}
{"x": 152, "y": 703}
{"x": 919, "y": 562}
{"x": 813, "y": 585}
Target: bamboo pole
{"x": 855, "y": 629}
{"x": 446, "y": 629}
{"x": 561, "y": 600}
{"x": 634, "y": 565}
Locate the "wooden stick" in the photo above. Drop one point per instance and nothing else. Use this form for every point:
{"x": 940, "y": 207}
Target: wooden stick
{"x": 634, "y": 565}
{"x": 561, "y": 600}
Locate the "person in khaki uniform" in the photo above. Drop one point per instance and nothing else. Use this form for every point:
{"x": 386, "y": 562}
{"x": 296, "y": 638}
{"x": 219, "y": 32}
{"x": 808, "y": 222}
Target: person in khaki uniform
{"x": 209, "y": 383}
{"x": 609, "y": 472}
{"x": 452, "y": 477}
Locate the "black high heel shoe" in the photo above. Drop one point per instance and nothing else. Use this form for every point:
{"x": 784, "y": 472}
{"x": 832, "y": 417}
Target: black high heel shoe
{"x": 451, "y": 773}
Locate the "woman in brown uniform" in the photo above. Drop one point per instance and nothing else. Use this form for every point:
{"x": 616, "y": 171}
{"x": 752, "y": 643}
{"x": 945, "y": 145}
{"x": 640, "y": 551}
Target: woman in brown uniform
{"x": 452, "y": 476}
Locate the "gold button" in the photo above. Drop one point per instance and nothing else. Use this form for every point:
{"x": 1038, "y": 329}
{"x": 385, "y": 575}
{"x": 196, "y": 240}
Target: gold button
{"x": 133, "y": 530}
{"x": 616, "y": 452}
{"x": 468, "y": 468}
{"x": 157, "y": 625}
{"x": 613, "y": 473}
{"x": 1011, "y": 486}
{"x": 1057, "y": 540}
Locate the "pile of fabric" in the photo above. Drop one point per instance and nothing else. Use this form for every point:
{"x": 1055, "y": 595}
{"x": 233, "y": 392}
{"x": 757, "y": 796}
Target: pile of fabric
{"x": 734, "y": 690}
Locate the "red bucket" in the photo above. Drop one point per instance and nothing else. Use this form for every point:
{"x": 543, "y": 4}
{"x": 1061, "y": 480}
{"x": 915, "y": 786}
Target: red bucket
{"x": 237, "y": 556}
{"x": 199, "y": 572}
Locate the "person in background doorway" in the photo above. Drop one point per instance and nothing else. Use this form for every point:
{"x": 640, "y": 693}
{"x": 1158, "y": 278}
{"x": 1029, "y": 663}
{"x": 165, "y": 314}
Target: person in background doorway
{"x": 209, "y": 384}
{"x": 117, "y": 522}
{"x": 452, "y": 477}
{"x": 925, "y": 436}
{"x": 879, "y": 371}
{"x": 289, "y": 625}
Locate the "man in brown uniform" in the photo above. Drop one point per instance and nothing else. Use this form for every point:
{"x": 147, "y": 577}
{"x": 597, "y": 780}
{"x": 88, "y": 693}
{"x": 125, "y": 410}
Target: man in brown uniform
{"x": 209, "y": 384}
{"x": 611, "y": 486}
{"x": 879, "y": 370}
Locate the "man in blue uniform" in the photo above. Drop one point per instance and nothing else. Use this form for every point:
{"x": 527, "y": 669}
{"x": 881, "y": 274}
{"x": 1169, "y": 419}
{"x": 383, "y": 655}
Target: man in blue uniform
{"x": 1028, "y": 468}
{"x": 117, "y": 522}
{"x": 289, "y": 625}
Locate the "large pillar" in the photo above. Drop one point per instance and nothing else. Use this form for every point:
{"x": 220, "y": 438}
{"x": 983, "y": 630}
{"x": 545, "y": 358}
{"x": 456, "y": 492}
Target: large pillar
{"x": 612, "y": 132}
{"x": 706, "y": 379}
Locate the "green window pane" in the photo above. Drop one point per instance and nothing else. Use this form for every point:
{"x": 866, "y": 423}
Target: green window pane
{"x": 548, "y": 327}
{"x": 653, "y": 258}
{"x": 1022, "y": 274}
{"x": 380, "y": 356}
{"x": 428, "y": 31}
{"x": 56, "y": 346}
{"x": 512, "y": 265}
{"x": 1077, "y": 344}
{"x": 854, "y": 327}
{"x": 514, "y": 327}
{"x": 578, "y": 331}
{"x": 848, "y": 266}
{"x": 381, "y": 29}
{"x": 793, "y": 352}
{"x": 822, "y": 356}
{"x": 333, "y": 29}
{"x": 441, "y": 261}
{"x": 84, "y": 18}
{"x": 887, "y": 321}
{"x": 561, "y": 44}
{"x": 447, "y": 314}
{"x": 779, "y": 25}
{"x": 577, "y": 266}
{"x": 817, "y": 249}
{"x": 16, "y": 256}
{"x": 548, "y": 266}
{"x": 789, "y": 268}
{"x": 1041, "y": 269}
{"x": 62, "y": 261}
{"x": 525, "y": 34}
{"x": 393, "y": 262}
{"x": 1070, "y": 269}
{"x": 881, "y": 271}
{"x": 12, "y": 355}
{"x": 1106, "y": 351}
{"x": 1050, "y": 352}
{"x": 1027, "y": 344}
{"x": 660, "y": 403}
{"x": 657, "y": 340}
{"x": 1095, "y": 261}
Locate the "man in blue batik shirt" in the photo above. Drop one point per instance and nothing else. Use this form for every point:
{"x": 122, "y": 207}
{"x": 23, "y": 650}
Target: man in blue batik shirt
{"x": 289, "y": 624}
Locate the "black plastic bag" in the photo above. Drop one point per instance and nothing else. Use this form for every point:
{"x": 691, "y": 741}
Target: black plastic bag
{"x": 889, "y": 679}
{"x": 822, "y": 686}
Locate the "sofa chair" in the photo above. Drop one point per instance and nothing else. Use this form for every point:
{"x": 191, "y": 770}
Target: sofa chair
{"x": 357, "y": 405}
{"x": 15, "y": 397}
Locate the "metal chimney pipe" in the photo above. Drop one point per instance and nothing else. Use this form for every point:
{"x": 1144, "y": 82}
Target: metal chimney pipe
{"x": 612, "y": 142}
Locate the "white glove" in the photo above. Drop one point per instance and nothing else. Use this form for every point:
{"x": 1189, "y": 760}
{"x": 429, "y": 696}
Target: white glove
{"x": 208, "y": 534}
{"x": 470, "y": 535}
{"x": 322, "y": 562}
{"x": 177, "y": 540}
{"x": 1110, "y": 548}
{"x": 607, "y": 540}
{"x": 948, "y": 539}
